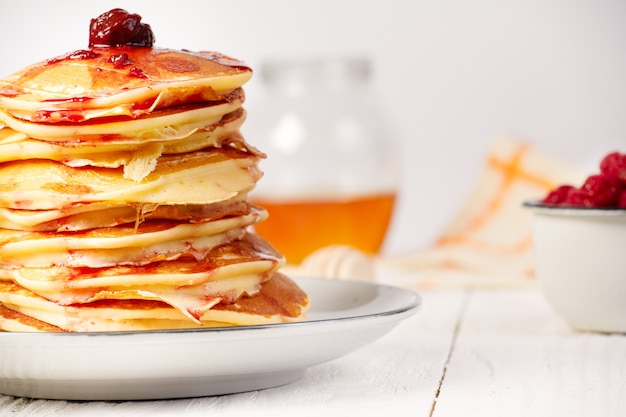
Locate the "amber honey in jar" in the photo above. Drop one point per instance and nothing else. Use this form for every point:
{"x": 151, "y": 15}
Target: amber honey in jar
{"x": 331, "y": 171}
{"x": 358, "y": 221}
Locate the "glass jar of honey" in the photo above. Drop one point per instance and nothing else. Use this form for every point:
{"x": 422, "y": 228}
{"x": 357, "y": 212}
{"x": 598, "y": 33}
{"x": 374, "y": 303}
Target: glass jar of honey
{"x": 331, "y": 171}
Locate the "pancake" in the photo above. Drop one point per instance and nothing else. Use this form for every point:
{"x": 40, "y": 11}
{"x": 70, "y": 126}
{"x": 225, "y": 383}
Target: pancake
{"x": 138, "y": 157}
{"x": 13, "y": 321}
{"x": 150, "y": 241}
{"x": 201, "y": 177}
{"x": 146, "y": 80}
{"x": 168, "y": 124}
{"x": 278, "y": 300}
{"x": 96, "y": 215}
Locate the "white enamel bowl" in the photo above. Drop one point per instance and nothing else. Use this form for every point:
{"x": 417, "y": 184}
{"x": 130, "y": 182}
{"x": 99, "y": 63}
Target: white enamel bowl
{"x": 580, "y": 256}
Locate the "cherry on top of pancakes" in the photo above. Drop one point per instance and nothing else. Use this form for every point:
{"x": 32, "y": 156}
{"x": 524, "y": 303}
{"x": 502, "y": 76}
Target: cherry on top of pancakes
{"x": 117, "y": 27}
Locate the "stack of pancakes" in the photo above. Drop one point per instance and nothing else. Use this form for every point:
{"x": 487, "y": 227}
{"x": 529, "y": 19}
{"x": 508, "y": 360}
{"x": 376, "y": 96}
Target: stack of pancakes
{"x": 123, "y": 197}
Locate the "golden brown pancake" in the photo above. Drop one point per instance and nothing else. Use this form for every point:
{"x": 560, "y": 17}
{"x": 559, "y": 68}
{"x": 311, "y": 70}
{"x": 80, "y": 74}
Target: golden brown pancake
{"x": 123, "y": 81}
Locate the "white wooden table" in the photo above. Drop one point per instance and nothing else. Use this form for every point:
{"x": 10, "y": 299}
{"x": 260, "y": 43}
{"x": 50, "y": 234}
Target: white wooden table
{"x": 465, "y": 353}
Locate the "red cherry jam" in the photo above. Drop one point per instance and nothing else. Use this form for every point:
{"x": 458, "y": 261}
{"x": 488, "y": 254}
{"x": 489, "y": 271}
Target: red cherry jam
{"x": 80, "y": 54}
{"x": 117, "y": 27}
{"x": 120, "y": 60}
{"x": 603, "y": 190}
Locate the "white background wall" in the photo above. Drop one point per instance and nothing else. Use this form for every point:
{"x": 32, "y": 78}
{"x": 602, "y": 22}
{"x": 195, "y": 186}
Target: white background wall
{"x": 455, "y": 75}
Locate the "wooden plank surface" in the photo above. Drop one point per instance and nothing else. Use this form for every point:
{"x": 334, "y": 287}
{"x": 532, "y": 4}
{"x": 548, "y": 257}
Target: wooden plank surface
{"x": 514, "y": 357}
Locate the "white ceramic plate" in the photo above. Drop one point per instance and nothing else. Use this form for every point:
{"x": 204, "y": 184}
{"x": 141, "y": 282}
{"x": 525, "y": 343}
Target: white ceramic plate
{"x": 344, "y": 316}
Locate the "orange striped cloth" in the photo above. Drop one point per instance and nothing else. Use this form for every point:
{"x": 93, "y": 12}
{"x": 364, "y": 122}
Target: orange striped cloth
{"x": 489, "y": 242}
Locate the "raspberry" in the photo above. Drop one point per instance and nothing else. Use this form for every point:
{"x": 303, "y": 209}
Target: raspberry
{"x": 559, "y": 195}
{"x": 576, "y": 198}
{"x": 607, "y": 189}
{"x": 600, "y": 191}
{"x": 621, "y": 203}
{"x": 614, "y": 165}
